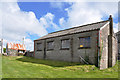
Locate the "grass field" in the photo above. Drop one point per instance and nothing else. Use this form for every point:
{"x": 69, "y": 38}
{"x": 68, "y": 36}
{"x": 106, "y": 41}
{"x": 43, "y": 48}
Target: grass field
{"x": 26, "y": 67}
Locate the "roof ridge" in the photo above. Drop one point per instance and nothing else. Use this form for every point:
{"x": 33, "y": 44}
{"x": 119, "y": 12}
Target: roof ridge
{"x": 73, "y": 28}
{"x": 79, "y": 26}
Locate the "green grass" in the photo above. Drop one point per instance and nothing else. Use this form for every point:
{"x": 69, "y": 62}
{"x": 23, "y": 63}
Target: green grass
{"x": 26, "y": 67}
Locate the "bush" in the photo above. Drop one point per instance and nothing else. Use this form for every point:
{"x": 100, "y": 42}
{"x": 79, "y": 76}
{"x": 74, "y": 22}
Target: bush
{"x": 4, "y": 50}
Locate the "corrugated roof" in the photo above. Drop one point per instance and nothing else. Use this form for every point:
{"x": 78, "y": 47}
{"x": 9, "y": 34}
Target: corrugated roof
{"x": 16, "y": 46}
{"x": 88, "y": 27}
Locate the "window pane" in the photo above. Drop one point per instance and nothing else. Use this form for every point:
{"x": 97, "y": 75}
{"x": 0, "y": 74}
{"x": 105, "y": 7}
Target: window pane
{"x": 50, "y": 45}
{"x": 39, "y": 46}
{"x": 65, "y": 43}
{"x": 84, "y": 42}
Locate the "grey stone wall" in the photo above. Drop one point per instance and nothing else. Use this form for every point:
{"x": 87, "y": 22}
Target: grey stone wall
{"x": 115, "y": 50}
{"x": 103, "y": 51}
{"x": 58, "y": 53}
{"x": 12, "y": 52}
{"x": 118, "y": 37}
{"x": 39, "y": 54}
{"x": 29, "y": 54}
{"x": 119, "y": 51}
{"x": 90, "y": 53}
{"x": 108, "y": 51}
{"x": 108, "y": 54}
{"x": 71, "y": 55}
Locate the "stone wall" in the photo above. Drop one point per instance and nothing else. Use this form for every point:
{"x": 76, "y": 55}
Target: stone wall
{"x": 103, "y": 43}
{"x": 119, "y": 51}
{"x": 108, "y": 48}
{"x": 115, "y": 50}
{"x": 29, "y": 54}
{"x": 74, "y": 53}
{"x": 118, "y": 37}
{"x": 12, "y": 52}
{"x": 39, "y": 54}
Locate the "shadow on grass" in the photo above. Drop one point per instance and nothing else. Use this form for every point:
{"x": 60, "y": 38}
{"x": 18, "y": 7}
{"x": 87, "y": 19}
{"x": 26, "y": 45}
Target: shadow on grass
{"x": 60, "y": 79}
{"x": 48, "y": 62}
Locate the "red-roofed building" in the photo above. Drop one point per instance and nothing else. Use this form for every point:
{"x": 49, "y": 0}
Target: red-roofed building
{"x": 13, "y": 49}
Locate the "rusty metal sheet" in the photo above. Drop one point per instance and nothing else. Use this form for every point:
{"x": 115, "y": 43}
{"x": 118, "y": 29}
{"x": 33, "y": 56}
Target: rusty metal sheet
{"x": 16, "y": 46}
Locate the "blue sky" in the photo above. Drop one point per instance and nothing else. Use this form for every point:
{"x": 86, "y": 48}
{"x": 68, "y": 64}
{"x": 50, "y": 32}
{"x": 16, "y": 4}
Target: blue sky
{"x": 42, "y": 8}
{"x": 32, "y": 20}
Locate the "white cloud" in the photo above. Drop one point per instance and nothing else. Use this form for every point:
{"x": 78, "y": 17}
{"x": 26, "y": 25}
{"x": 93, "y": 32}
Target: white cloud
{"x": 61, "y": 21}
{"x": 30, "y": 44}
{"x": 20, "y": 22}
{"x": 115, "y": 27}
{"x": 16, "y": 23}
{"x": 47, "y": 21}
{"x": 80, "y": 13}
{"x": 58, "y": 5}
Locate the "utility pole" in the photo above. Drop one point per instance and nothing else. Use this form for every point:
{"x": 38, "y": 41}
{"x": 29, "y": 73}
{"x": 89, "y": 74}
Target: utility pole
{"x": 23, "y": 40}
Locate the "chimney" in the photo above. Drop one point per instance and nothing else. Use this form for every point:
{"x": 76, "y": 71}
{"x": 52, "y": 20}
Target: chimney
{"x": 110, "y": 42}
{"x": 111, "y": 25}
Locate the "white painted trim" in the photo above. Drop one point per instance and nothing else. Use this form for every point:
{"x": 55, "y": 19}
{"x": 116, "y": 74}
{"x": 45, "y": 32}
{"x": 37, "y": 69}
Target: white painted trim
{"x": 104, "y": 25}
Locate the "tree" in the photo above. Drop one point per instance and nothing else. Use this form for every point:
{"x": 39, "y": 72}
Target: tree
{"x": 4, "y": 49}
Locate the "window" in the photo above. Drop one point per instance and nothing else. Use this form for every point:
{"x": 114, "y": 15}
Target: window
{"x": 65, "y": 44}
{"x": 50, "y": 45}
{"x": 39, "y": 47}
{"x": 84, "y": 42}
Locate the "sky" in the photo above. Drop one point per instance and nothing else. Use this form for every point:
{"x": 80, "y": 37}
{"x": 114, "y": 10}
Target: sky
{"x": 32, "y": 20}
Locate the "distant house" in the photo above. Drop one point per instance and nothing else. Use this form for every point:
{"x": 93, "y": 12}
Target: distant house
{"x": 29, "y": 53}
{"x": 1, "y": 46}
{"x": 93, "y": 43}
{"x": 13, "y": 49}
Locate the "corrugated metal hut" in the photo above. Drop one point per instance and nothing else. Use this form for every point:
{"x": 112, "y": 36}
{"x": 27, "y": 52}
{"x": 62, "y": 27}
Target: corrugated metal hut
{"x": 13, "y": 49}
